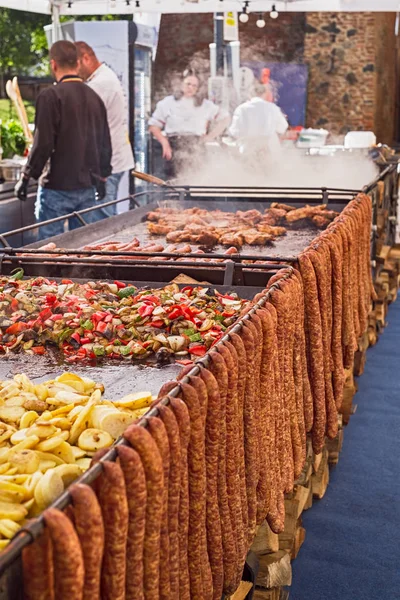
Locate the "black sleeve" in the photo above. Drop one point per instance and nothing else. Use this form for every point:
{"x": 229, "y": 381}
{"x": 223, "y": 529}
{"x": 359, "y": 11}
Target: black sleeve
{"x": 46, "y": 125}
{"x": 105, "y": 150}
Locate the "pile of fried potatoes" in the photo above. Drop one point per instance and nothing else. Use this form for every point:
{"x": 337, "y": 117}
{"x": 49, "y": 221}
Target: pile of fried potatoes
{"x": 48, "y": 434}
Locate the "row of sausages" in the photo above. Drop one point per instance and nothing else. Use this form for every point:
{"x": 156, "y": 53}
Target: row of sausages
{"x": 174, "y": 516}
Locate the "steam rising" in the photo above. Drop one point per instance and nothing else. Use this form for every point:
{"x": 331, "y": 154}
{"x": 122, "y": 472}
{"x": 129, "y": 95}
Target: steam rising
{"x": 224, "y": 166}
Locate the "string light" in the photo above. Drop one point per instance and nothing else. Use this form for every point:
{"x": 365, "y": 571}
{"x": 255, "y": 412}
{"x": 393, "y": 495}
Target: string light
{"x": 69, "y": 5}
{"x": 113, "y": 3}
{"x": 274, "y": 13}
{"x": 128, "y": 2}
{"x": 260, "y": 21}
{"x": 244, "y": 17}
{"x": 137, "y": 4}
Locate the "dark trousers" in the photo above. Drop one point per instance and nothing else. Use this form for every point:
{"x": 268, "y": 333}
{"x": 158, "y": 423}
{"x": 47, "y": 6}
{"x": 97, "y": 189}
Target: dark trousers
{"x": 187, "y": 151}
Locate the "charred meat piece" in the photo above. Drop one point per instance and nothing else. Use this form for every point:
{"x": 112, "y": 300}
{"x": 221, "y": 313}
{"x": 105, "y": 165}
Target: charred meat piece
{"x": 159, "y": 229}
{"x": 249, "y": 216}
{"x": 206, "y": 238}
{"x": 256, "y": 238}
{"x": 320, "y": 221}
{"x": 232, "y": 239}
{"x": 285, "y": 207}
{"x": 273, "y": 231}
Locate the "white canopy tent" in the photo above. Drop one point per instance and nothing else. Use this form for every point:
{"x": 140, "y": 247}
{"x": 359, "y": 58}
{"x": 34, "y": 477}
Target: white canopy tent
{"x": 98, "y": 7}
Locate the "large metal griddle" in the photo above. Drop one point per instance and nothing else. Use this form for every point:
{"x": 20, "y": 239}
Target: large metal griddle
{"x": 134, "y": 266}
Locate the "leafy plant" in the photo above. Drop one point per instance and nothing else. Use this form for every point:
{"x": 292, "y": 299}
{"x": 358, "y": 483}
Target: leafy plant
{"x": 12, "y": 139}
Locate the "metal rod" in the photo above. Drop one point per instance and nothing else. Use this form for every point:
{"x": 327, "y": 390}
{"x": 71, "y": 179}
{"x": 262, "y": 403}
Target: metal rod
{"x": 154, "y": 263}
{"x": 89, "y": 253}
{"x": 34, "y": 528}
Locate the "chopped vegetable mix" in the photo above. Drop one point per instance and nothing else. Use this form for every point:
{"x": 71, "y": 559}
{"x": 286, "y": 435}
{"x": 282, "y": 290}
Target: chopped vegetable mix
{"x": 112, "y": 320}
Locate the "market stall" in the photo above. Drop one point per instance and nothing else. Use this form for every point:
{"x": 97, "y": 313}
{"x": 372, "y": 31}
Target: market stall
{"x": 229, "y": 434}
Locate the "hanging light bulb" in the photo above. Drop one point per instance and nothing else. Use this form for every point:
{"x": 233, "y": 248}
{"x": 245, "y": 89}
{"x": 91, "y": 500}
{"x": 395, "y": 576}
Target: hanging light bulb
{"x": 69, "y": 5}
{"x": 260, "y": 21}
{"x": 244, "y": 17}
{"x": 274, "y": 13}
{"x": 128, "y": 2}
{"x": 113, "y": 3}
{"x": 137, "y": 4}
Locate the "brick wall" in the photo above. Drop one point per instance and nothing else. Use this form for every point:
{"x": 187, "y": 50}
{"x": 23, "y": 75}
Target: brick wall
{"x": 351, "y": 59}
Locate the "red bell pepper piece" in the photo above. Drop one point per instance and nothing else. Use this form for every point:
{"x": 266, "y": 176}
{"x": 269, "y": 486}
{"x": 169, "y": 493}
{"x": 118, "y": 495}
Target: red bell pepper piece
{"x": 120, "y": 285}
{"x": 45, "y": 314}
{"x": 184, "y": 362}
{"x": 16, "y": 328}
{"x": 89, "y": 294}
{"x": 147, "y": 344}
{"x": 108, "y": 319}
{"x": 199, "y": 350}
{"x": 152, "y": 299}
{"x": 187, "y": 313}
{"x": 38, "y": 349}
{"x": 101, "y": 326}
{"x": 75, "y": 336}
{"x": 188, "y": 290}
{"x": 175, "y": 313}
{"x": 84, "y": 340}
{"x": 157, "y": 323}
{"x": 14, "y": 304}
{"x": 57, "y": 317}
{"x": 66, "y": 281}
{"x": 51, "y": 298}
{"x": 227, "y": 314}
{"x": 145, "y": 310}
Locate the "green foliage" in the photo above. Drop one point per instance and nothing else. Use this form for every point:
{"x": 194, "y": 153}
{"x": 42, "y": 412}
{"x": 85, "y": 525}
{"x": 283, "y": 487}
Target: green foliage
{"x": 8, "y": 110}
{"x": 23, "y": 47}
{"x": 12, "y": 139}
{"x": 23, "y": 43}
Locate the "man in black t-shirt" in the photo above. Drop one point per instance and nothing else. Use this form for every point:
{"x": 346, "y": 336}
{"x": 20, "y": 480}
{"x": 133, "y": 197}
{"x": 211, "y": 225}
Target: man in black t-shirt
{"x": 71, "y": 151}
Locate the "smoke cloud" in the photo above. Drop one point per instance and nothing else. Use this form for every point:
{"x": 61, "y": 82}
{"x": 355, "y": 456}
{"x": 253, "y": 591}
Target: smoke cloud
{"x": 222, "y": 165}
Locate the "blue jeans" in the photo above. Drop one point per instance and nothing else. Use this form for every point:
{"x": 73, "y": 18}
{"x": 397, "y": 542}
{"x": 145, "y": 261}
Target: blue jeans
{"x": 55, "y": 203}
{"x": 112, "y": 185}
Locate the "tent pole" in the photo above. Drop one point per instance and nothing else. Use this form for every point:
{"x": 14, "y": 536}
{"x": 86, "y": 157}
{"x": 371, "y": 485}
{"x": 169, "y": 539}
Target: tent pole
{"x": 55, "y": 17}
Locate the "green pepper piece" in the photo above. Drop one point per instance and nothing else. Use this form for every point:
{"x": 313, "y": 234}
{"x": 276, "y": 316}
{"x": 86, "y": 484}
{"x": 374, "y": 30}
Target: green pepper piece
{"x": 64, "y": 335}
{"x": 124, "y": 350}
{"x": 189, "y": 332}
{"x": 99, "y": 350}
{"x": 17, "y": 274}
{"x": 126, "y": 292}
{"x": 196, "y": 337}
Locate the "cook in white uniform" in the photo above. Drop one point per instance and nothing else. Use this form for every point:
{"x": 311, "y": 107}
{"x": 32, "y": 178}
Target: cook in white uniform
{"x": 106, "y": 84}
{"x": 182, "y": 124}
{"x": 257, "y": 125}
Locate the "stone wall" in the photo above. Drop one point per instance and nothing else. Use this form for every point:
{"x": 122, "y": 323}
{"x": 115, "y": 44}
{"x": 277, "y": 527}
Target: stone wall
{"x": 351, "y": 59}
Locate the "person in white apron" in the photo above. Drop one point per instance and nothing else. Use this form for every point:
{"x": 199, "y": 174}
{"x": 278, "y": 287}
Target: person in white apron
{"x": 182, "y": 123}
{"x": 257, "y": 125}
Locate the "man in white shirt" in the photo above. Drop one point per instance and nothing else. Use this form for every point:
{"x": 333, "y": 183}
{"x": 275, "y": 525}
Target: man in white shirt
{"x": 106, "y": 84}
{"x": 257, "y": 125}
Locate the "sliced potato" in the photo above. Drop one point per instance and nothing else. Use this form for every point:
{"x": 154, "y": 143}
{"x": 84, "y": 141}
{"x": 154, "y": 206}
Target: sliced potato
{"x": 45, "y": 465}
{"x": 84, "y": 463}
{"x": 16, "y": 493}
{"x": 69, "y": 473}
{"x": 42, "y": 431}
{"x": 28, "y": 419}
{"x": 32, "y": 482}
{"x": 3, "y": 544}
{"x": 64, "y": 451}
{"x": 82, "y": 422}
{"x": 15, "y": 401}
{"x": 92, "y": 440}
{"x": 111, "y": 420}
{"x": 135, "y": 400}
{"x": 26, "y": 461}
{"x": 78, "y": 452}
{"x": 4, "y": 467}
{"x": 41, "y": 392}
{"x": 63, "y": 410}
{"x": 8, "y": 528}
{"x": 29, "y": 442}
{"x": 49, "y": 488}
{"x": 64, "y": 397}
{"x": 11, "y": 414}
{"x": 50, "y": 444}
{"x": 49, "y": 456}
